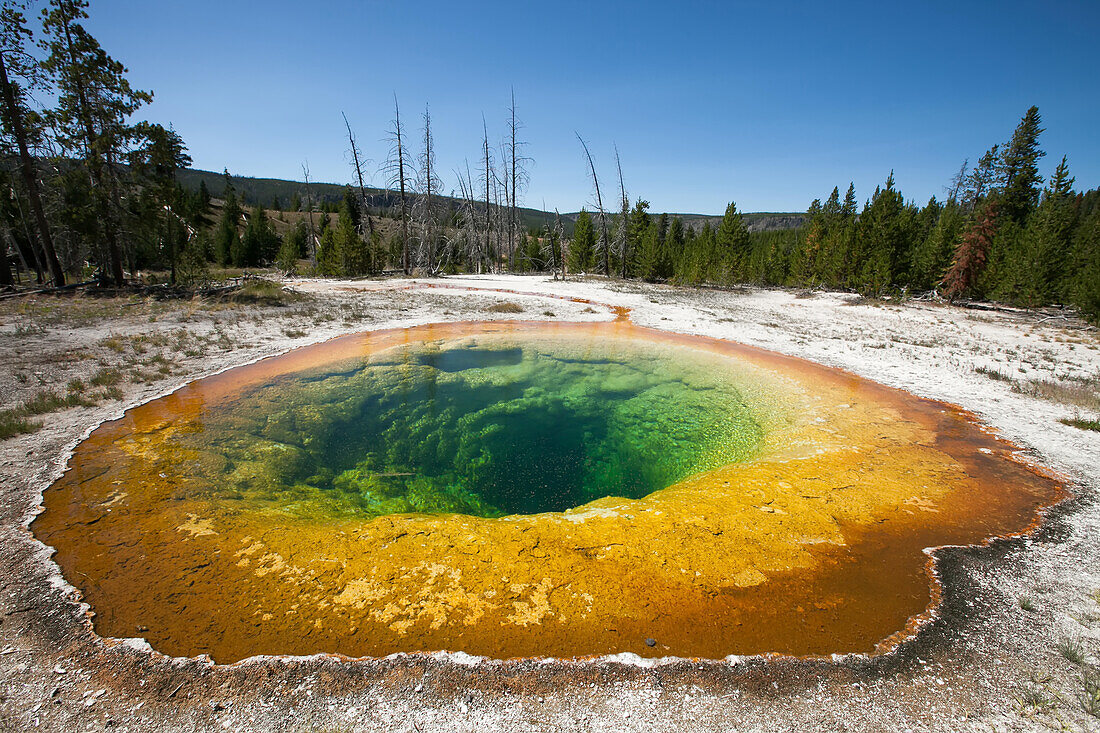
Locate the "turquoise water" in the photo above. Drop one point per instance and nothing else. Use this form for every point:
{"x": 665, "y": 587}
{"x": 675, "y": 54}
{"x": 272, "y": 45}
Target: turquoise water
{"x": 487, "y": 426}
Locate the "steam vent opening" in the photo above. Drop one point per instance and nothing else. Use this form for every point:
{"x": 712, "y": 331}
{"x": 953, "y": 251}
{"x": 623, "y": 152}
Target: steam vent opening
{"x": 522, "y": 489}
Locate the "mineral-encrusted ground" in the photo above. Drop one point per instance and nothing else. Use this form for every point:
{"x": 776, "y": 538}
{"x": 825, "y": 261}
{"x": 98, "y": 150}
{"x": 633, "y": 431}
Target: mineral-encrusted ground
{"x": 999, "y": 657}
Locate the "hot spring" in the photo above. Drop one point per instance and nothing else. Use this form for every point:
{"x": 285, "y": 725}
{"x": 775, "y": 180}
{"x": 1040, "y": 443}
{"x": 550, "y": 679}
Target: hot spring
{"x": 527, "y": 489}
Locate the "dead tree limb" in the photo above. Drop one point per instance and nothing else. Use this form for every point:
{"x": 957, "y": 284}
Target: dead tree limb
{"x": 603, "y": 244}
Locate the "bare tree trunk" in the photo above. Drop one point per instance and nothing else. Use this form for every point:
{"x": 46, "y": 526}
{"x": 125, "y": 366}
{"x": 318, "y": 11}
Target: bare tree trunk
{"x": 30, "y": 247}
{"x": 518, "y": 178}
{"x": 624, "y": 230}
{"x": 558, "y": 238}
{"x": 512, "y": 212}
{"x": 30, "y": 180}
{"x": 400, "y": 179}
{"x": 429, "y": 181}
{"x": 362, "y": 189}
{"x": 488, "y": 180}
{"x": 309, "y": 211}
{"x": 603, "y": 242}
{"x": 6, "y": 279}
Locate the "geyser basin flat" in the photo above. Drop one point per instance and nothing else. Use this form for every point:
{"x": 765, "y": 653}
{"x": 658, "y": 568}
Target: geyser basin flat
{"x": 527, "y": 489}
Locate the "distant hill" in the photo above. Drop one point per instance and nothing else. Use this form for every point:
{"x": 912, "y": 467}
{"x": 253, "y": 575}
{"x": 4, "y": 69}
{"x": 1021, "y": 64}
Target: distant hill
{"x": 763, "y": 221}
{"x": 263, "y": 191}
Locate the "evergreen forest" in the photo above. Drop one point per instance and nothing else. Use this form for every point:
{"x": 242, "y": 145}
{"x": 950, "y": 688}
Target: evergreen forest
{"x": 92, "y": 195}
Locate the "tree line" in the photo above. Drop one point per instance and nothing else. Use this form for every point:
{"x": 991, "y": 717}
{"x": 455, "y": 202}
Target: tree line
{"x": 92, "y": 193}
{"x": 1001, "y": 233}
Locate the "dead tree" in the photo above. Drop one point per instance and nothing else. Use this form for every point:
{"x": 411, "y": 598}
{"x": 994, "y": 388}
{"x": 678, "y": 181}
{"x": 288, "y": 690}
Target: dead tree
{"x": 367, "y": 220}
{"x": 397, "y": 166}
{"x": 603, "y": 244}
{"x": 518, "y": 176}
{"x": 428, "y": 185}
{"x": 553, "y": 237}
{"x": 468, "y": 218}
{"x": 309, "y": 209}
{"x": 622, "y": 231}
{"x": 488, "y": 180}
{"x": 500, "y": 205}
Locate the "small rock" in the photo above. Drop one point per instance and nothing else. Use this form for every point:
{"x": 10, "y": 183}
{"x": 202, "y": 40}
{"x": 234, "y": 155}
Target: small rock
{"x": 651, "y": 642}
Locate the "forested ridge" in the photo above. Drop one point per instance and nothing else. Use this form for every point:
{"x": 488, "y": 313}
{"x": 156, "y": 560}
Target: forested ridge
{"x": 92, "y": 193}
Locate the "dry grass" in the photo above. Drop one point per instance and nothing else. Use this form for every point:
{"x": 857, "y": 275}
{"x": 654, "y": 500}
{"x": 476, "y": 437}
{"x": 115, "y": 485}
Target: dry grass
{"x": 505, "y": 307}
{"x": 1080, "y": 392}
{"x": 1083, "y": 393}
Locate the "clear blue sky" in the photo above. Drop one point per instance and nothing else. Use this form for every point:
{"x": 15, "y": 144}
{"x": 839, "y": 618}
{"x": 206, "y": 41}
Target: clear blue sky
{"x": 767, "y": 104}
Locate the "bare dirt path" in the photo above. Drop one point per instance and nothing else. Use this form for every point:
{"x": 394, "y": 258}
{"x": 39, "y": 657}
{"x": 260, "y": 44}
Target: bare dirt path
{"x": 1019, "y": 629}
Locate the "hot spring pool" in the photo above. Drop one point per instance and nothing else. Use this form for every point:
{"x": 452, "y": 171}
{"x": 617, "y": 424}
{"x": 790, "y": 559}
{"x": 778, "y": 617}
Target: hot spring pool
{"x": 526, "y": 489}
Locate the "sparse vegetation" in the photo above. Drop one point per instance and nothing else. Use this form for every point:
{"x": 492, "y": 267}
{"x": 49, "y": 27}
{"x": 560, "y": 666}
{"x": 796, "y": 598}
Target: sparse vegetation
{"x": 506, "y": 307}
{"x": 261, "y": 291}
{"x": 15, "y": 421}
{"x": 106, "y": 377}
{"x": 12, "y": 423}
{"x": 1072, "y": 650}
{"x": 1027, "y": 604}
{"x": 1082, "y": 423}
{"x": 1036, "y": 700}
{"x": 994, "y": 374}
{"x": 1089, "y": 695}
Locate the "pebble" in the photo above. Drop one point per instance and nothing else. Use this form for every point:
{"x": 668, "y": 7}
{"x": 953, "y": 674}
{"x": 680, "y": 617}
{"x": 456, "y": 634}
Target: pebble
{"x": 651, "y": 642}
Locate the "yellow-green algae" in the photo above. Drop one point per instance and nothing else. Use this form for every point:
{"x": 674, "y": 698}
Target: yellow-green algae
{"x": 375, "y": 494}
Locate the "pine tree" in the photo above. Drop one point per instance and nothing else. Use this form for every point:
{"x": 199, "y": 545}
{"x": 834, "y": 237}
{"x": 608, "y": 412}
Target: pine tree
{"x": 353, "y": 253}
{"x": 671, "y": 246}
{"x": 94, "y": 101}
{"x": 734, "y": 247}
{"x": 804, "y": 264}
{"x": 582, "y": 250}
{"x": 259, "y": 243}
{"x": 933, "y": 254}
{"x": 328, "y": 254}
{"x": 156, "y": 162}
{"x": 1051, "y": 236}
{"x": 289, "y": 252}
{"x": 15, "y": 64}
{"x": 226, "y": 239}
{"x": 1020, "y": 169}
{"x": 885, "y": 232}
{"x": 1084, "y": 279}
{"x": 971, "y": 255}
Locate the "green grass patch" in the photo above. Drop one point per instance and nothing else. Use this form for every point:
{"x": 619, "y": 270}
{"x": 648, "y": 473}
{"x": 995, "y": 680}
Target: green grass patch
{"x": 259, "y": 291}
{"x": 1073, "y": 651}
{"x": 1078, "y": 422}
{"x": 106, "y": 377}
{"x": 12, "y": 424}
{"x": 16, "y": 421}
{"x": 46, "y": 402}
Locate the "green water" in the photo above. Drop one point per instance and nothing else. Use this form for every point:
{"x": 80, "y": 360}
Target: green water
{"x": 487, "y": 426}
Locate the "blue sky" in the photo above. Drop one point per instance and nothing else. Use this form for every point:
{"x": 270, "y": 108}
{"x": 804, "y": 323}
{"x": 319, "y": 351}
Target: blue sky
{"x": 764, "y": 103}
